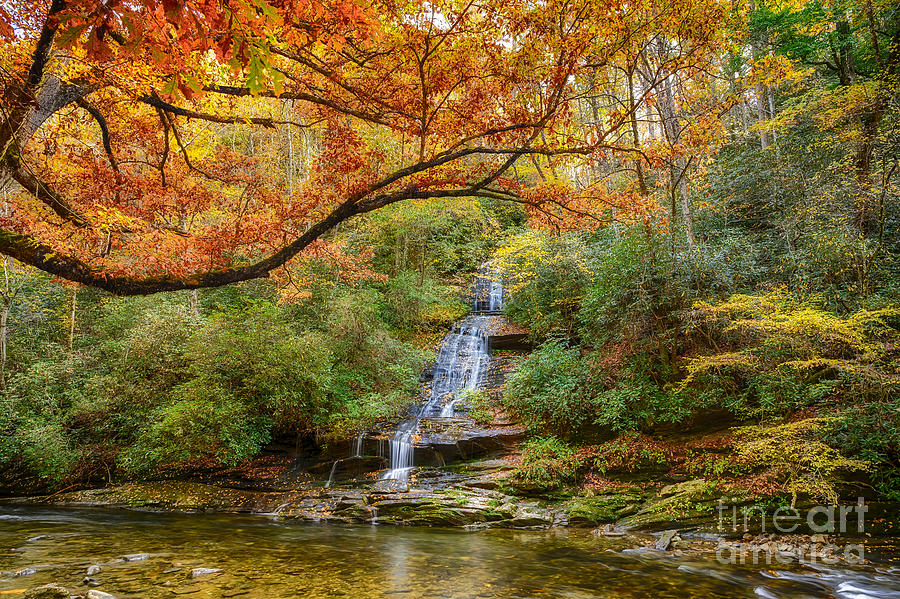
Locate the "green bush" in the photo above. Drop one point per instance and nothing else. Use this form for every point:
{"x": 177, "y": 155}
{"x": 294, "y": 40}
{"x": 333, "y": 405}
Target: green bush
{"x": 547, "y": 464}
{"x": 546, "y": 393}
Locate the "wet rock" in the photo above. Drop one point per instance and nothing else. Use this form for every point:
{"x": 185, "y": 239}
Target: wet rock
{"x": 24, "y": 572}
{"x": 427, "y": 373}
{"x": 391, "y": 486}
{"x": 94, "y": 594}
{"x": 430, "y": 510}
{"x": 530, "y": 516}
{"x": 48, "y": 591}
{"x": 136, "y": 557}
{"x": 349, "y": 468}
{"x": 666, "y": 539}
{"x": 198, "y": 572}
{"x": 93, "y": 570}
{"x": 90, "y": 581}
{"x": 608, "y": 531}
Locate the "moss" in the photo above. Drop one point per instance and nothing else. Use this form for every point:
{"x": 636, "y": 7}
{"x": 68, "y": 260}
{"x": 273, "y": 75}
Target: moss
{"x": 590, "y": 511}
{"x": 691, "y": 502}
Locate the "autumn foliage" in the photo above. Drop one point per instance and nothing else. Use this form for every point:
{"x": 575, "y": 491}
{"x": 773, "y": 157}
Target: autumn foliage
{"x": 135, "y": 130}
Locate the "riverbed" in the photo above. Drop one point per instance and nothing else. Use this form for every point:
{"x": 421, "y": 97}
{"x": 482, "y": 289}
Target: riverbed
{"x": 264, "y": 557}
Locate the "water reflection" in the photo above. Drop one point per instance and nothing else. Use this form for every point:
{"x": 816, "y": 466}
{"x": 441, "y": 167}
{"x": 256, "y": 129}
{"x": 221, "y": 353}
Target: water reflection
{"x": 263, "y": 558}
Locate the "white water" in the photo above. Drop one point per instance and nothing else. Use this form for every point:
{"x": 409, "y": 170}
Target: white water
{"x": 331, "y": 474}
{"x": 358, "y": 446}
{"x": 462, "y": 360}
{"x": 488, "y": 290}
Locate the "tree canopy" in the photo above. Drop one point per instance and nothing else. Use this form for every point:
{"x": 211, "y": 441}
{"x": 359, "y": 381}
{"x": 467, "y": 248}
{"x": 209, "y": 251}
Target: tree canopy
{"x": 133, "y": 129}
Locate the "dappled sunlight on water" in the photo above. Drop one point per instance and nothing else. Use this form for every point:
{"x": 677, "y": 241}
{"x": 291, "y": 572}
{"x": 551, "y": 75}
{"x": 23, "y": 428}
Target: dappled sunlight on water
{"x": 272, "y": 559}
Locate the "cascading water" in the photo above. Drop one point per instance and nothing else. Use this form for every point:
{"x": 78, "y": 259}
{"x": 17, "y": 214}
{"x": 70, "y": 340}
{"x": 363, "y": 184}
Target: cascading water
{"x": 358, "y": 446}
{"x": 488, "y": 290}
{"x": 462, "y": 359}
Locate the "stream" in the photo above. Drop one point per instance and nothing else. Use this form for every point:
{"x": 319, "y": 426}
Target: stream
{"x": 263, "y": 557}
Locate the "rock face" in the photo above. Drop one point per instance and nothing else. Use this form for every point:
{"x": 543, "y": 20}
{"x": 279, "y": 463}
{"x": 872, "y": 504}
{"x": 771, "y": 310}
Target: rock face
{"x": 600, "y": 509}
{"x": 504, "y": 335}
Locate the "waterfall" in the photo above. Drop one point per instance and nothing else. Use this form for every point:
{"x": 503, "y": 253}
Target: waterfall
{"x": 488, "y": 296}
{"x": 331, "y": 474}
{"x": 358, "y": 446}
{"x": 462, "y": 358}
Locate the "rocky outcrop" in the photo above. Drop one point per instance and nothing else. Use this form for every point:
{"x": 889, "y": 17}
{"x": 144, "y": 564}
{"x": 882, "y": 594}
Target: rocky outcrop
{"x": 503, "y": 335}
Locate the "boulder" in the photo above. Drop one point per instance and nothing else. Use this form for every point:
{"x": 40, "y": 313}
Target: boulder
{"x": 198, "y": 572}
{"x": 136, "y": 557}
{"x": 48, "y": 591}
{"x": 591, "y": 511}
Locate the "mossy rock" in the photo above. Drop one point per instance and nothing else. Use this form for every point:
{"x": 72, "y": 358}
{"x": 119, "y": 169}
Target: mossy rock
{"x": 591, "y": 511}
{"x": 689, "y": 503}
{"x": 430, "y": 513}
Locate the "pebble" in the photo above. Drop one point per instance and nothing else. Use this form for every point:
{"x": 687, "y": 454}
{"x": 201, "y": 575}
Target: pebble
{"x": 94, "y": 594}
{"x": 93, "y": 570}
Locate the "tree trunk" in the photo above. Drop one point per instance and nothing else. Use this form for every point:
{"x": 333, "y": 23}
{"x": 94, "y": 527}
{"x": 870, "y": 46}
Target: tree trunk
{"x": 642, "y": 185}
{"x": 771, "y": 97}
{"x": 4, "y": 331}
{"x": 194, "y": 303}
{"x": 761, "y": 117}
{"x": 72, "y": 317}
{"x": 678, "y": 167}
{"x": 687, "y": 213}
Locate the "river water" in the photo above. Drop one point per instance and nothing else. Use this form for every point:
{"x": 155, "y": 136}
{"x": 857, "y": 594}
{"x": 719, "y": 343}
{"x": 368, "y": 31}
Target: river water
{"x": 273, "y": 559}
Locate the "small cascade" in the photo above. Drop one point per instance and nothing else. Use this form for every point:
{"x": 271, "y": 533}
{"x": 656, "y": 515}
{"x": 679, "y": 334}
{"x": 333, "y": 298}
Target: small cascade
{"x": 331, "y": 474}
{"x": 402, "y": 450}
{"x": 488, "y": 291}
{"x": 462, "y": 359}
{"x": 358, "y": 446}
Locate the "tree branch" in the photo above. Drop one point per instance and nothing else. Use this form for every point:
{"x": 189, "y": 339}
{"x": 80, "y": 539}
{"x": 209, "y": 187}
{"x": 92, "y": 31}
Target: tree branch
{"x": 104, "y": 130}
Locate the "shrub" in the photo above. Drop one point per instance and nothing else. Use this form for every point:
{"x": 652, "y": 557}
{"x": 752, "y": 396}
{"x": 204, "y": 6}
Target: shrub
{"x": 634, "y": 452}
{"x": 547, "y": 464}
{"x": 545, "y": 391}
{"x": 479, "y": 406}
{"x": 796, "y": 454}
